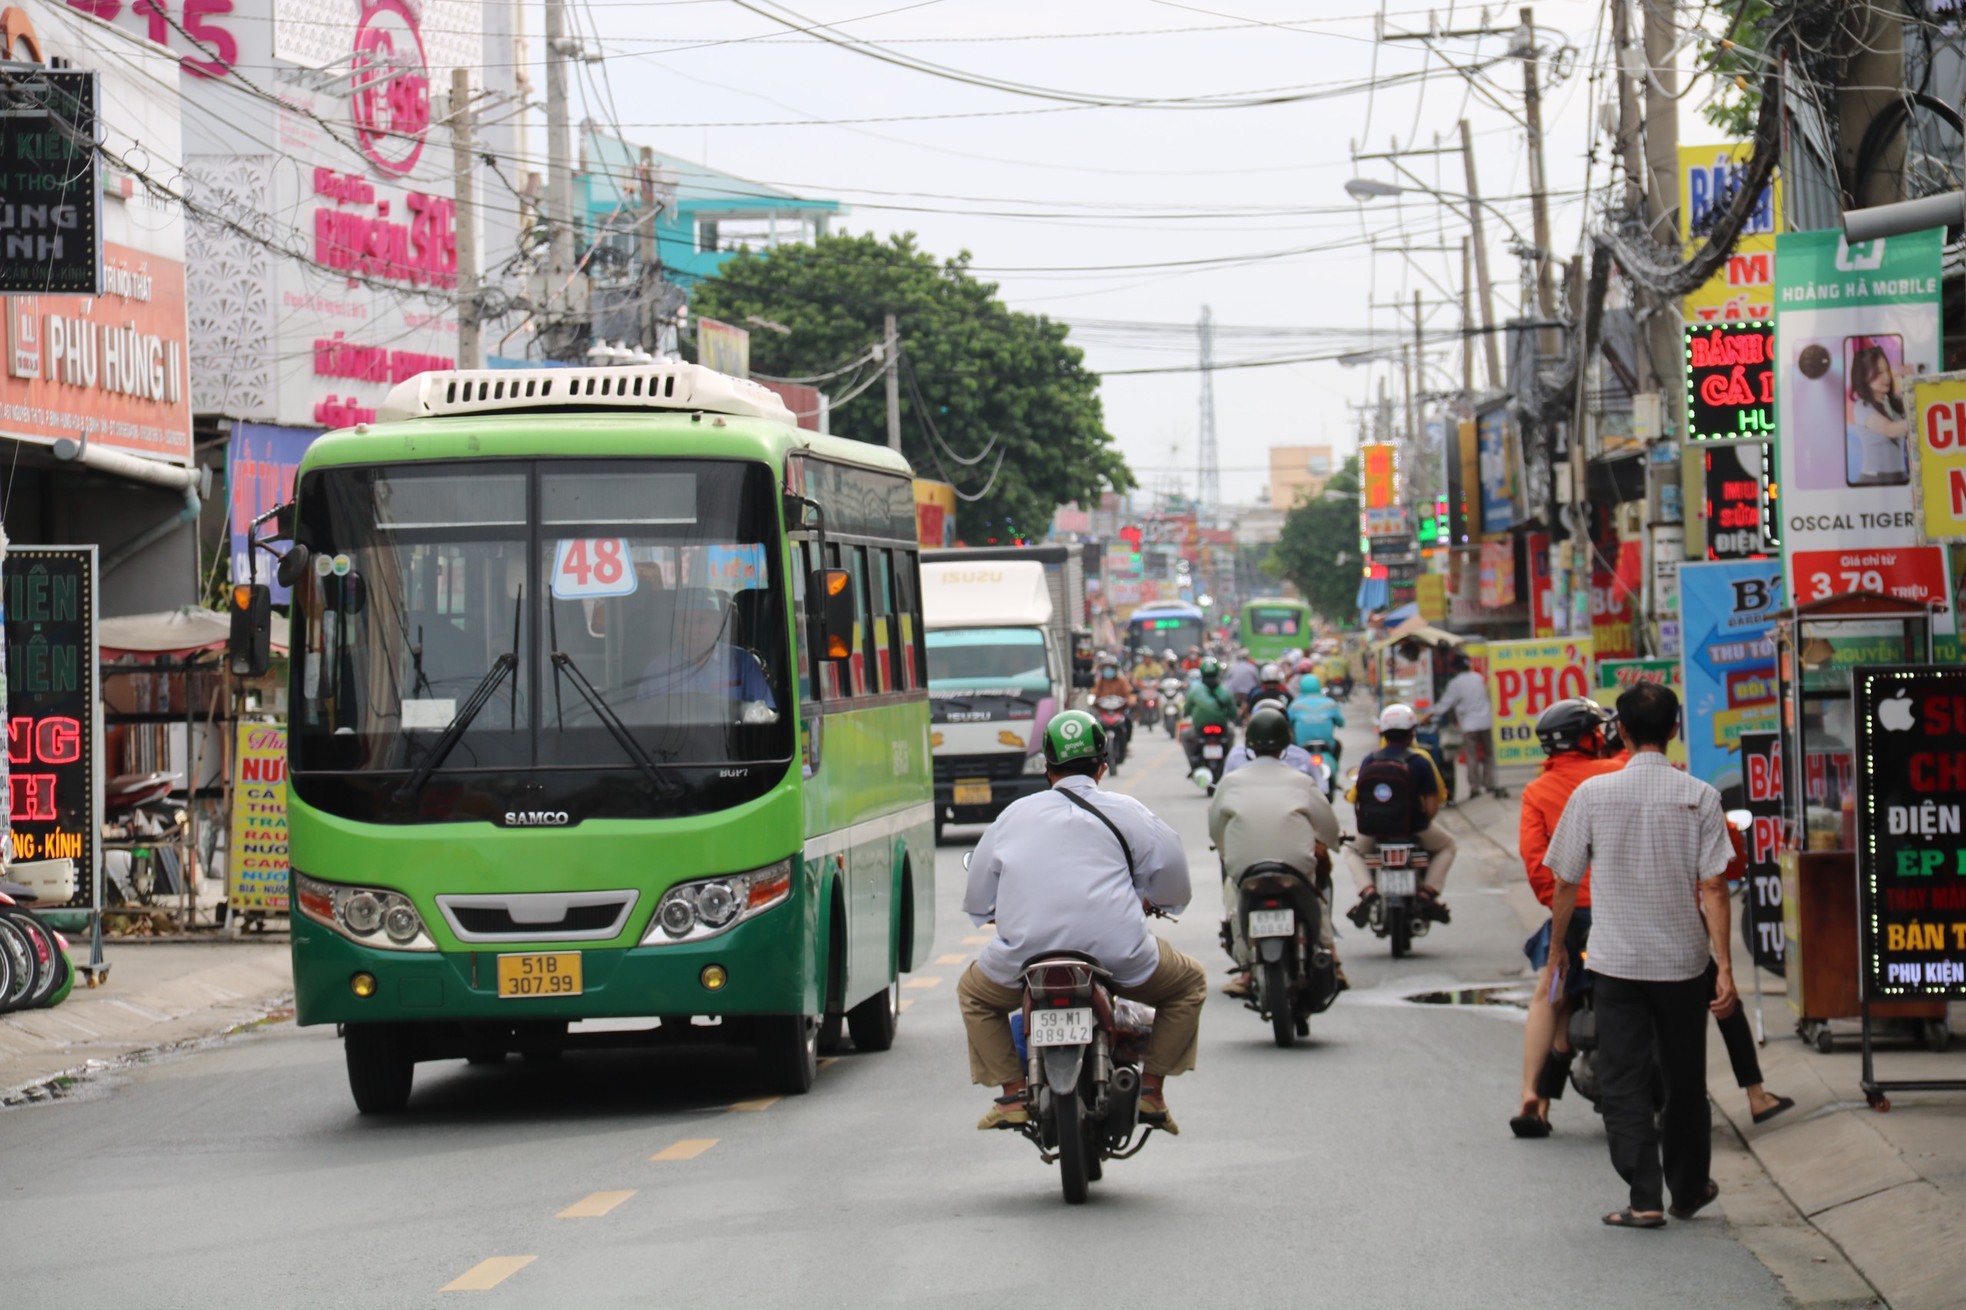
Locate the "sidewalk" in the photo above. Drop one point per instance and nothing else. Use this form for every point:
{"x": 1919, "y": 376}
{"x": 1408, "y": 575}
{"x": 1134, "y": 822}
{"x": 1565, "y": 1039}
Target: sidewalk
{"x": 1888, "y": 1190}
{"x": 157, "y": 994}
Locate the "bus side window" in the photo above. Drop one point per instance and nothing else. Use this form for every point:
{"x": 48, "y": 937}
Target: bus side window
{"x": 908, "y": 641}
{"x": 863, "y": 625}
{"x": 882, "y": 598}
{"x": 833, "y": 677}
{"x": 802, "y": 621}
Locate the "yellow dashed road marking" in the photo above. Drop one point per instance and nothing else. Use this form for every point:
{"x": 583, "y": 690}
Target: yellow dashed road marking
{"x": 982, "y": 940}
{"x": 687, "y": 1149}
{"x": 951, "y": 959}
{"x": 487, "y": 1274}
{"x": 923, "y": 982}
{"x": 755, "y": 1104}
{"x": 827, "y": 1063}
{"x": 595, "y": 1206}
{"x": 902, "y": 1008}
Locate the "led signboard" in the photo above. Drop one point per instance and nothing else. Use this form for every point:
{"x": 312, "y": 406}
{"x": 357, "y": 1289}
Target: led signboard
{"x": 1730, "y": 380}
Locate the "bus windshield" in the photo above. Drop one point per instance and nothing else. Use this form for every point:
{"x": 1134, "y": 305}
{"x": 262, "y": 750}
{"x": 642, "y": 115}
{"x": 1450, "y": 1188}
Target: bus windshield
{"x": 1276, "y": 621}
{"x": 536, "y": 613}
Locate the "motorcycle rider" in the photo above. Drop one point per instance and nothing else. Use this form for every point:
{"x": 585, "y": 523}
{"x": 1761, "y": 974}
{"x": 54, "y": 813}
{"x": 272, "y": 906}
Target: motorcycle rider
{"x": 1242, "y": 677}
{"x": 1077, "y": 868}
{"x": 1293, "y": 755}
{"x": 1192, "y": 660}
{"x": 1427, "y": 792}
{"x": 1315, "y": 718}
{"x": 1270, "y": 687}
{"x": 1209, "y": 702}
{"x": 1573, "y": 736}
{"x": 1267, "y": 812}
{"x": 1148, "y": 669}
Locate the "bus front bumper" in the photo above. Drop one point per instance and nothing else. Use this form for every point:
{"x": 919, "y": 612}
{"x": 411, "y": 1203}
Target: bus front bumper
{"x": 766, "y": 970}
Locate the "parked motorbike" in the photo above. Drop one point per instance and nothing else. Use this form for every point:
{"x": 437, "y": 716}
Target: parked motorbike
{"x": 1291, "y": 976}
{"x": 1111, "y": 711}
{"x": 1428, "y": 738}
{"x": 1084, "y": 1048}
{"x": 1172, "y": 695}
{"x": 1396, "y": 869}
{"x": 144, "y": 828}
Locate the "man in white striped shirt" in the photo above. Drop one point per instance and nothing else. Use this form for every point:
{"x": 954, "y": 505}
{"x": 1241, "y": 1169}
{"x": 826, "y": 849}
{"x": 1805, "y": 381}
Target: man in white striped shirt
{"x": 1654, "y": 840}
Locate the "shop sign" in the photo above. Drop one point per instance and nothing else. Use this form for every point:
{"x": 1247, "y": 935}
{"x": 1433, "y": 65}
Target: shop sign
{"x": 1668, "y": 551}
{"x": 1730, "y": 380}
{"x": 54, "y": 735}
{"x": 1378, "y": 471}
{"x": 1761, "y": 764}
{"x": 1430, "y": 594}
{"x": 1500, "y": 483}
{"x": 1542, "y": 585}
{"x": 1855, "y": 325}
{"x": 724, "y": 348}
{"x": 1617, "y": 676}
{"x": 257, "y": 867}
{"x": 1497, "y": 574}
{"x": 1735, "y": 478}
{"x": 1614, "y": 602}
{"x": 1911, "y": 849}
{"x": 1386, "y": 521}
{"x": 1743, "y": 288}
{"x": 1524, "y": 679}
{"x": 1727, "y": 664}
{"x": 935, "y": 521}
{"x": 50, "y": 185}
{"x": 260, "y": 464}
{"x": 1941, "y": 447}
{"x": 390, "y": 79}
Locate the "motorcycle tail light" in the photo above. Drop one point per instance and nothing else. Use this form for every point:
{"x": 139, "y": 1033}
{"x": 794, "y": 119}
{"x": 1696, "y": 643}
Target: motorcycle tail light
{"x": 1060, "y": 1002}
{"x": 1271, "y": 905}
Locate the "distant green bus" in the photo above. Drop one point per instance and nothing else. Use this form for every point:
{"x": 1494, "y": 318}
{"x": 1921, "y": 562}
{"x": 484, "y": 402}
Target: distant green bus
{"x": 609, "y": 701}
{"x": 1271, "y": 626}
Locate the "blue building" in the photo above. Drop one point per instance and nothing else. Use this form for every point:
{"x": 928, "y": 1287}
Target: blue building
{"x": 705, "y": 215}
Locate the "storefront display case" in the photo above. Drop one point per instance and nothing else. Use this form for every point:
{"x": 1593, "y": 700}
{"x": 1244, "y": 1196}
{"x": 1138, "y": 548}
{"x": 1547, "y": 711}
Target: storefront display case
{"x": 1817, "y": 644}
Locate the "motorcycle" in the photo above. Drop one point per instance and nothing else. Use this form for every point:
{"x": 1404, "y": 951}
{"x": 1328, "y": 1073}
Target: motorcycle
{"x": 1146, "y": 710}
{"x": 1428, "y": 738}
{"x": 1085, "y": 1049}
{"x": 1172, "y": 694}
{"x": 1112, "y": 714}
{"x": 1325, "y": 756}
{"x": 1216, "y": 739}
{"x": 1339, "y": 689}
{"x": 1291, "y": 976}
{"x": 1396, "y": 869}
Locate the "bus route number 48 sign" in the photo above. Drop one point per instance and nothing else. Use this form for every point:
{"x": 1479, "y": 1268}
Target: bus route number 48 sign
{"x": 587, "y": 567}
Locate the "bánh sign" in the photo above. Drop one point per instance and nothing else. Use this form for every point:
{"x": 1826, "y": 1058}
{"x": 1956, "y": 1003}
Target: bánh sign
{"x": 1911, "y": 850}
{"x": 1761, "y": 768}
{"x": 1730, "y": 380}
{"x": 54, "y": 741}
{"x": 50, "y": 185}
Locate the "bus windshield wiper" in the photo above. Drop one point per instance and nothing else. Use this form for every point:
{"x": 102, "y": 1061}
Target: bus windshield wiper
{"x": 563, "y": 663}
{"x": 504, "y": 665}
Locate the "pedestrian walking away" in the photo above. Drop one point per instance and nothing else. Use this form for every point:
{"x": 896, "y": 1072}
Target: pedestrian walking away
{"x": 1654, "y": 840}
{"x": 1466, "y": 698}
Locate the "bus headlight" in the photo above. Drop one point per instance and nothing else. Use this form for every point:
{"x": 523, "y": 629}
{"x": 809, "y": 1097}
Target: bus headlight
{"x": 691, "y": 911}
{"x": 370, "y": 915}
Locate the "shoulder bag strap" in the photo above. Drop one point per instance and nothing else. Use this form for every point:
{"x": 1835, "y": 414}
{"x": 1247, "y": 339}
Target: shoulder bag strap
{"x": 1111, "y": 827}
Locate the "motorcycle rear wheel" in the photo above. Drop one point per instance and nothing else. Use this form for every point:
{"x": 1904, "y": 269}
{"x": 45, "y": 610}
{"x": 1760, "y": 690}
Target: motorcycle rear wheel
{"x": 1276, "y": 998}
{"x": 1399, "y": 927}
{"x": 1074, "y": 1146}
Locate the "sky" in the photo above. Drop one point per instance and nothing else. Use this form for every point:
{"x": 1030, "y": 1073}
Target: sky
{"x": 1137, "y": 215}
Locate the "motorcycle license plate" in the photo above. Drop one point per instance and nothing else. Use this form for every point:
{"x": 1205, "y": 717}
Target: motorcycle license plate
{"x": 1069, "y": 1027}
{"x": 1212, "y": 752}
{"x": 1397, "y": 882}
{"x": 1272, "y": 923}
{"x": 1394, "y": 857}
{"x": 972, "y": 791}
{"x": 522, "y": 977}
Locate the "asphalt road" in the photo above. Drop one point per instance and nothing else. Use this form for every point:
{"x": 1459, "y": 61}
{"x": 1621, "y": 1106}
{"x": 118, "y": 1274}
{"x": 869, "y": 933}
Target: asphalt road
{"x": 1369, "y": 1167}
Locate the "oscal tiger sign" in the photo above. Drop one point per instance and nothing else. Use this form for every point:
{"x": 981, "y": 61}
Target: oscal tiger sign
{"x": 391, "y": 81}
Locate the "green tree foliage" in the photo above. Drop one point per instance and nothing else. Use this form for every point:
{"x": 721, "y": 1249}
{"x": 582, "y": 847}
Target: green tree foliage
{"x": 1737, "y": 67}
{"x": 985, "y": 372}
{"x": 1318, "y": 549}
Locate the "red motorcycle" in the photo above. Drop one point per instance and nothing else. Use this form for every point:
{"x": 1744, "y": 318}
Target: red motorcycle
{"x": 1112, "y": 715}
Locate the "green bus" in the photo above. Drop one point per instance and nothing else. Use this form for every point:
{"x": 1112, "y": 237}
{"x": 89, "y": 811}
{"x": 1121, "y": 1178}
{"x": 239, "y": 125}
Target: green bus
{"x": 609, "y": 701}
{"x": 1271, "y": 625}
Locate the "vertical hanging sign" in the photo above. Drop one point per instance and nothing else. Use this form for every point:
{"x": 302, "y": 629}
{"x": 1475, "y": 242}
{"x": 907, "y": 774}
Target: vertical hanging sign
{"x": 54, "y": 728}
{"x": 1761, "y": 769}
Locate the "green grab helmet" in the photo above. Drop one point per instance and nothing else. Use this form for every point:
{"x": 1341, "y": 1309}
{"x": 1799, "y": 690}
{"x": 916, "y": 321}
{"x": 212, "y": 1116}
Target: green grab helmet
{"x": 1268, "y": 732}
{"x": 1211, "y": 669}
{"x": 1073, "y": 735}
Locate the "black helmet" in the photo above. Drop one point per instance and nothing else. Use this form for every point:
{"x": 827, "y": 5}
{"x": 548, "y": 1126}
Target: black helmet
{"x": 1564, "y": 725}
{"x": 1268, "y": 732}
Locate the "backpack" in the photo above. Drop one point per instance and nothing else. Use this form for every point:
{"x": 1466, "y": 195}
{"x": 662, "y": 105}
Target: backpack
{"x": 1387, "y": 807}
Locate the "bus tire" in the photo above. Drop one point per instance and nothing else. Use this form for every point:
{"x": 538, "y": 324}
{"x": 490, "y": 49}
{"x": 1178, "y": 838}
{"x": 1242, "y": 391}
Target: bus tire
{"x": 788, "y": 1051}
{"x": 872, "y": 1023}
{"x": 380, "y": 1067}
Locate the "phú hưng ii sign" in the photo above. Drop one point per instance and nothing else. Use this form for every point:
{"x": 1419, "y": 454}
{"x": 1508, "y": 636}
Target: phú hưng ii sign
{"x": 50, "y": 234}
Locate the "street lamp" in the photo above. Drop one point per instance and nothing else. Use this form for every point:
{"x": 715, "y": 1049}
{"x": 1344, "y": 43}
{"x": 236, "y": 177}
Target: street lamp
{"x": 1363, "y": 189}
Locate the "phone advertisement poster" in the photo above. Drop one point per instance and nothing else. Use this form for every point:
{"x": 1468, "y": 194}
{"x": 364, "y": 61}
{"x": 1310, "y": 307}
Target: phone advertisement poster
{"x": 1524, "y": 679}
{"x": 1855, "y": 328}
{"x": 1727, "y": 664}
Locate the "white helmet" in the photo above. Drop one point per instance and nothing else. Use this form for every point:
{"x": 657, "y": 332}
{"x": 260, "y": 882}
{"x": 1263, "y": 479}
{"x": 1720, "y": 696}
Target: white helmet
{"x": 1396, "y": 718}
{"x": 1270, "y": 673}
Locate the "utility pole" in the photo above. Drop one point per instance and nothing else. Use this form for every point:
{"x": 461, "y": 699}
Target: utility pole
{"x": 1208, "y": 488}
{"x": 891, "y": 351}
{"x": 1539, "y": 200}
{"x": 1664, "y": 339}
{"x": 559, "y": 176}
{"x": 1492, "y": 350}
{"x": 462, "y": 166}
{"x": 1467, "y": 321}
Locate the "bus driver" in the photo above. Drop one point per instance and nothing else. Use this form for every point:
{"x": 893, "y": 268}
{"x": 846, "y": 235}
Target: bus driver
{"x": 701, "y": 662}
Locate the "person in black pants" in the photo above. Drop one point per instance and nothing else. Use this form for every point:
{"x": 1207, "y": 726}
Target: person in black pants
{"x": 1736, "y": 1032}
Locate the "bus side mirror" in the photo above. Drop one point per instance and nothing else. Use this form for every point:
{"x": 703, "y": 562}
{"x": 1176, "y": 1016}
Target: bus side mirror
{"x": 834, "y": 588}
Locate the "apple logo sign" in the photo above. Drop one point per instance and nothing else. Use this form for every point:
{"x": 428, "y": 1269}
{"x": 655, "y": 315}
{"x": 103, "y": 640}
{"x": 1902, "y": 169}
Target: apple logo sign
{"x": 1895, "y": 714}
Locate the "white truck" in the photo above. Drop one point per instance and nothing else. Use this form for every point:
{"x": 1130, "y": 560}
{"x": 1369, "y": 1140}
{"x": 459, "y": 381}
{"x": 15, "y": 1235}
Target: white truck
{"x": 1000, "y": 664}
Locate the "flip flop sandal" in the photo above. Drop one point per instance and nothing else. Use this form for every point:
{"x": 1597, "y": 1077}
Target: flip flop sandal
{"x": 1781, "y": 1103}
{"x": 1528, "y": 1126}
{"x": 1707, "y": 1198}
{"x": 1626, "y": 1218}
